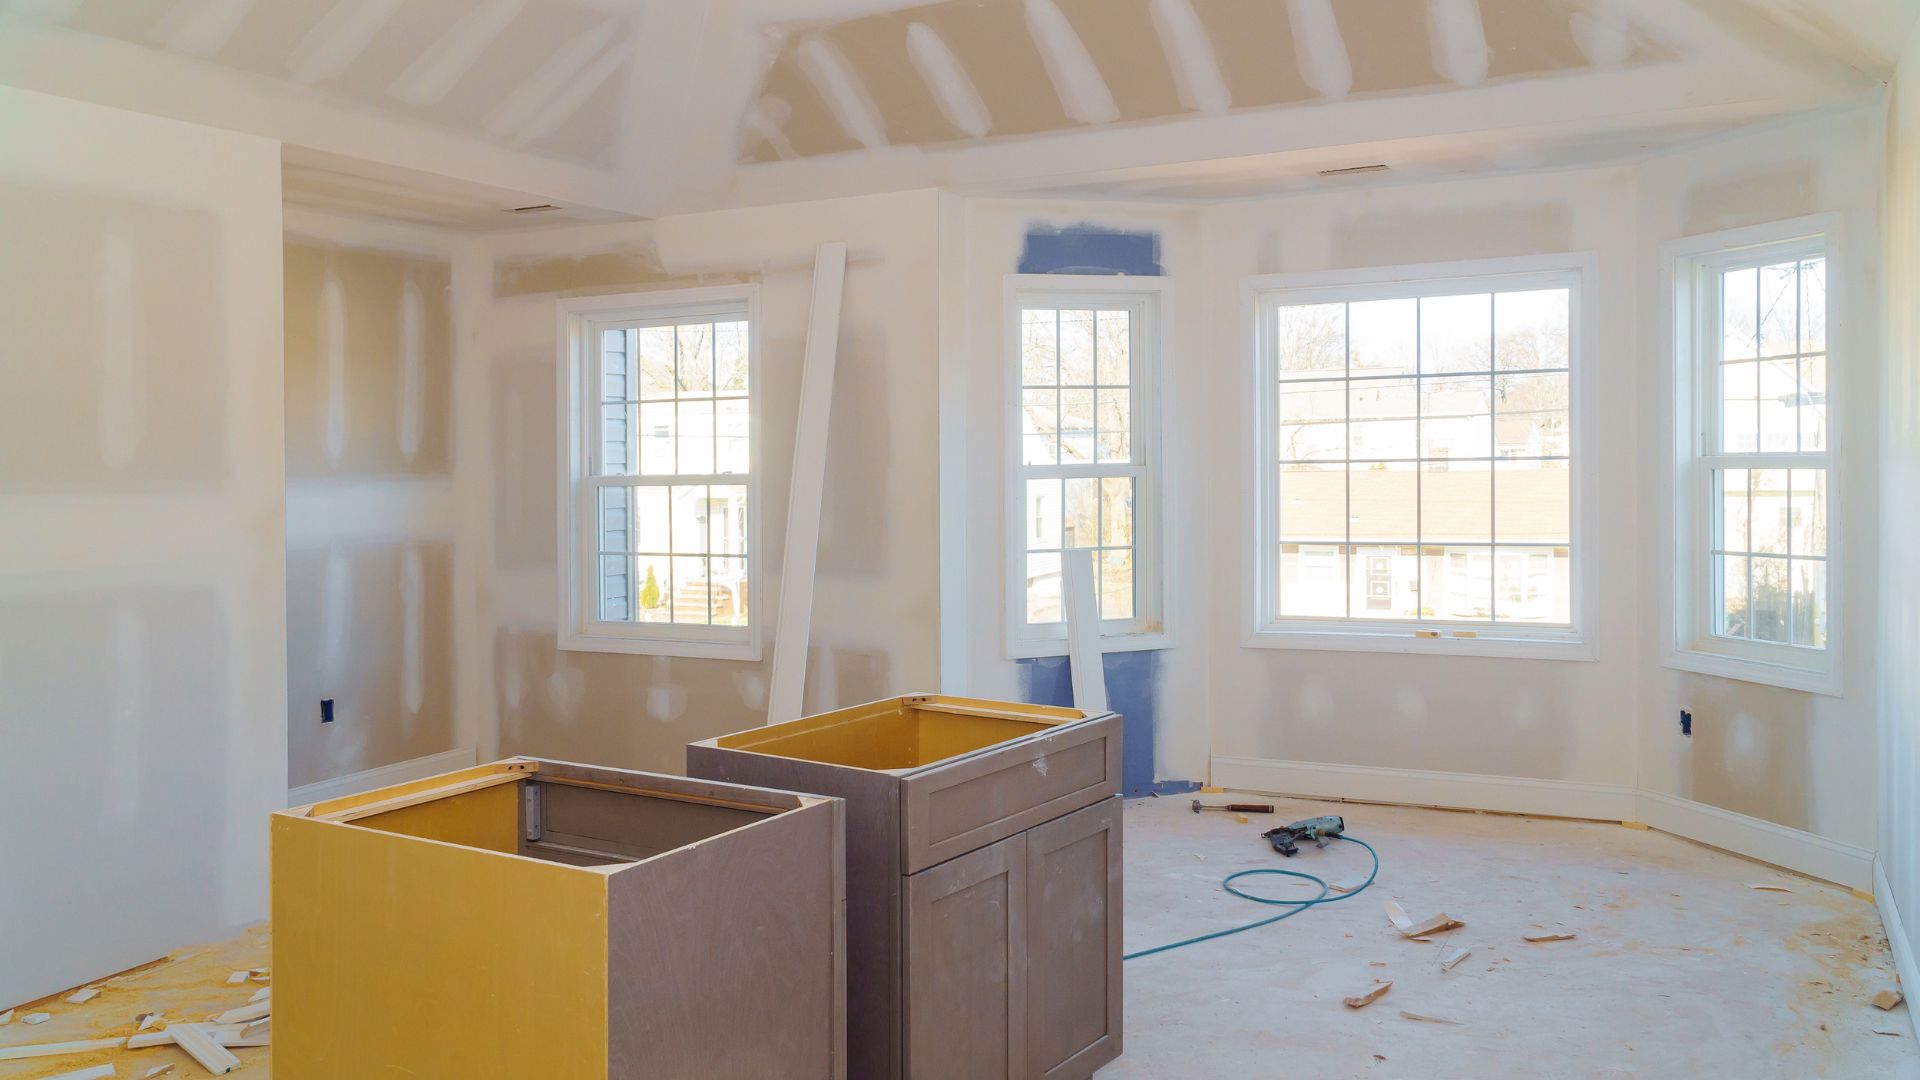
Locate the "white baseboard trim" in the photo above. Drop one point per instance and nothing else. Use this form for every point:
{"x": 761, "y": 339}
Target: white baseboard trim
{"x": 399, "y": 772}
{"x": 1904, "y": 960}
{"x": 1794, "y": 849}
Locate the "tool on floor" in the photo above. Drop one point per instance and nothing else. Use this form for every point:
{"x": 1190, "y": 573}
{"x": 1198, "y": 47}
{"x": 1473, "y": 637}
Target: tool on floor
{"x": 1236, "y": 808}
{"x": 1286, "y": 839}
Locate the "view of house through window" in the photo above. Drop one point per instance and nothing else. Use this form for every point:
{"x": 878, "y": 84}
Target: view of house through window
{"x": 671, "y": 484}
{"x": 1422, "y": 454}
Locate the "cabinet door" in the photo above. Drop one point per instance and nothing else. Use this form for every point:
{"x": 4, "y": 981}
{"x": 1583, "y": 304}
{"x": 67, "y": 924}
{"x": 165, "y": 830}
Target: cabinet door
{"x": 1074, "y": 942}
{"x": 966, "y": 975}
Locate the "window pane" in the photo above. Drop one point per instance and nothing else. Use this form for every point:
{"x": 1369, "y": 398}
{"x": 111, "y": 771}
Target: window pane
{"x": 1456, "y": 502}
{"x": 1533, "y": 502}
{"x": 1382, "y": 419}
{"x": 656, "y": 362}
{"x": 696, "y": 436}
{"x": 616, "y": 440}
{"x": 1313, "y": 502}
{"x": 1043, "y": 515}
{"x": 1807, "y": 498}
{"x": 1076, "y": 427}
{"x": 730, "y": 357}
{"x": 1456, "y": 333}
{"x": 1769, "y": 515}
{"x": 1383, "y": 501}
{"x": 731, "y": 448}
{"x": 1456, "y": 417}
{"x": 1533, "y": 585}
{"x": 1313, "y": 421}
{"x": 1080, "y": 518}
{"x": 1456, "y": 584}
{"x": 1809, "y": 603}
{"x": 616, "y": 520}
{"x": 1112, "y": 411}
{"x": 1311, "y": 340}
{"x": 1043, "y": 587}
{"x": 727, "y": 519}
{"x": 1733, "y": 595}
{"x": 729, "y": 592}
{"x": 616, "y": 588}
{"x": 1116, "y": 584}
{"x": 1313, "y": 581}
{"x": 1383, "y": 336}
{"x": 655, "y": 576}
{"x": 1039, "y": 340}
{"x": 1779, "y": 419}
{"x": 656, "y": 438}
{"x": 1530, "y": 329}
{"x": 650, "y": 520}
{"x": 1739, "y": 408}
{"x": 1779, "y": 299}
{"x": 1039, "y": 427}
{"x": 1531, "y": 416}
{"x": 1770, "y": 603}
{"x": 1813, "y": 306}
{"x": 1813, "y": 404}
{"x": 1114, "y": 348}
{"x": 1076, "y": 348}
{"x": 691, "y": 601}
{"x": 694, "y": 365}
{"x": 1116, "y": 511}
{"x": 1739, "y": 321}
{"x": 1734, "y": 511}
{"x": 689, "y": 513}
{"x": 1386, "y": 582}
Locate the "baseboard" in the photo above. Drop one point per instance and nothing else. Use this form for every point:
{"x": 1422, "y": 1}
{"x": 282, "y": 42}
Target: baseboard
{"x": 1904, "y": 960}
{"x": 399, "y": 772}
{"x": 1794, "y": 849}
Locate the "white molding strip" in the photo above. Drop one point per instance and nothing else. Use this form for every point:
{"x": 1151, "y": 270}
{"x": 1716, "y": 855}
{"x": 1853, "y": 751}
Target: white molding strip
{"x": 400, "y": 772}
{"x": 1905, "y": 963}
{"x": 1794, "y": 849}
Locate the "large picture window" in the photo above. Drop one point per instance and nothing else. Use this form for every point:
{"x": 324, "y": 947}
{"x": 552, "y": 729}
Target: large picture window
{"x": 1416, "y": 475}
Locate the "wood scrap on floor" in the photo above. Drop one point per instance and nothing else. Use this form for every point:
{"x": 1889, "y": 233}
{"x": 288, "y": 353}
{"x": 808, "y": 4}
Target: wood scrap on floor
{"x": 1762, "y": 886}
{"x": 237, "y": 978}
{"x": 1452, "y": 958}
{"x": 79, "y": 1046}
{"x": 6, "y": 1018}
{"x": 147, "y": 1020}
{"x": 1549, "y": 935}
{"x": 1425, "y": 1019}
{"x": 158, "y": 1070}
{"x": 1408, "y": 928}
{"x": 37, "y": 1018}
{"x": 1886, "y": 1000}
{"x": 91, "y": 1073}
{"x": 1372, "y": 994}
{"x": 202, "y": 1047}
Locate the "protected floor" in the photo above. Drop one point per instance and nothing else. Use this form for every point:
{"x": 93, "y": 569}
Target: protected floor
{"x": 1678, "y": 968}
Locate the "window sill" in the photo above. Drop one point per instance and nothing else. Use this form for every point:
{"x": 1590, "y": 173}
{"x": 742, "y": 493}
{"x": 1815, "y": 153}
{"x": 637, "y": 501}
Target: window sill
{"x": 1034, "y": 648}
{"x": 661, "y": 646}
{"x": 1702, "y": 661}
{"x": 1569, "y": 647}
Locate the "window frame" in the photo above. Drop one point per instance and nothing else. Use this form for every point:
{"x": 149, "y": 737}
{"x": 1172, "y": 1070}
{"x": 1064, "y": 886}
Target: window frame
{"x": 1690, "y": 269}
{"x": 1264, "y": 627}
{"x": 578, "y": 370}
{"x": 1149, "y": 300}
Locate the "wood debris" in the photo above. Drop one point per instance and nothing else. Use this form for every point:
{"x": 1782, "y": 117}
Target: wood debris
{"x": 1885, "y": 1000}
{"x": 37, "y": 1018}
{"x": 237, "y": 978}
{"x": 158, "y": 1070}
{"x": 1405, "y": 1015}
{"x": 1432, "y": 924}
{"x": 261, "y": 994}
{"x": 1763, "y": 886}
{"x": 81, "y": 997}
{"x": 202, "y": 1047}
{"x": 244, "y": 1013}
{"x": 1549, "y": 935}
{"x": 147, "y": 1020}
{"x": 1452, "y": 958}
{"x": 1373, "y": 993}
{"x": 93, "y": 1073}
{"x": 6, "y": 1017}
{"x": 34, "y": 1050}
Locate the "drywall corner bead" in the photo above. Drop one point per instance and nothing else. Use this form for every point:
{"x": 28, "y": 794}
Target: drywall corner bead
{"x": 1090, "y": 249}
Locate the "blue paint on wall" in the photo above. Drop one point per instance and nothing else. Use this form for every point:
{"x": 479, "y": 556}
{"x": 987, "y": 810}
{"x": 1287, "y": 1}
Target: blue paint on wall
{"x": 1090, "y": 249}
{"x": 1131, "y": 677}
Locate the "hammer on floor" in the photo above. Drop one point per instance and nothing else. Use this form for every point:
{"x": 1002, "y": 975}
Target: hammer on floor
{"x": 1236, "y": 808}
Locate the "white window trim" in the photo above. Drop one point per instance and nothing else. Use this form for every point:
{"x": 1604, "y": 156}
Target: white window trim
{"x": 1153, "y": 299}
{"x": 1264, "y": 629}
{"x": 1689, "y": 644}
{"x": 577, "y": 370}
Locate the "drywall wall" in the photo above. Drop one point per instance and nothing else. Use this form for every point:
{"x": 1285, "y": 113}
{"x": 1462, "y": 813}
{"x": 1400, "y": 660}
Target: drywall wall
{"x": 1796, "y": 759}
{"x": 142, "y": 605}
{"x": 1899, "y": 394}
{"x": 372, "y": 528}
{"x": 874, "y": 607}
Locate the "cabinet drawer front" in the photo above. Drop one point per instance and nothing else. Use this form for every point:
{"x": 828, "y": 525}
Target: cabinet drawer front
{"x": 1074, "y": 942}
{"x": 966, "y": 966}
{"x": 988, "y": 796}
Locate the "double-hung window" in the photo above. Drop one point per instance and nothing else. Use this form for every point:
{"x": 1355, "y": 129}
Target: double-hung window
{"x": 1753, "y": 580}
{"x": 1417, "y": 461}
{"x": 1083, "y": 366}
{"x": 659, "y": 520}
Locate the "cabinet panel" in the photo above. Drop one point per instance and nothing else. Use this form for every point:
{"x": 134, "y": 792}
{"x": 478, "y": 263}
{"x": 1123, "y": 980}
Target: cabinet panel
{"x": 1074, "y": 942}
{"x": 966, "y": 977}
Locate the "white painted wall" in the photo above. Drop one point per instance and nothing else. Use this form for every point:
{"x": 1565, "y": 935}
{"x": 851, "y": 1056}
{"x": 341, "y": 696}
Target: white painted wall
{"x": 142, "y": 619}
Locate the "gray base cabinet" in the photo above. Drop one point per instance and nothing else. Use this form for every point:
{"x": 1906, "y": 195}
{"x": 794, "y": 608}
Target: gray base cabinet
{"x": 983, "y": 865}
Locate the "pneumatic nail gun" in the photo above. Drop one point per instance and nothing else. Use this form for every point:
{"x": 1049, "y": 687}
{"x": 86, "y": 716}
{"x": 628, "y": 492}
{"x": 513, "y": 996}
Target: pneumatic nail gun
{"x": 1286, "y": 839}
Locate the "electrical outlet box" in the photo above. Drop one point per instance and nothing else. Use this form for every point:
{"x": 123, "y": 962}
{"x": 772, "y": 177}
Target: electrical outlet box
{"x": 1686, "y": 723}
{"x": 326, "y": 710}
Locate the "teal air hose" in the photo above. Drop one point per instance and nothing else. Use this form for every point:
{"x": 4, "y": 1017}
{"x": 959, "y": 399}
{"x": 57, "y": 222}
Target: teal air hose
{"x": 1297, "y": 906}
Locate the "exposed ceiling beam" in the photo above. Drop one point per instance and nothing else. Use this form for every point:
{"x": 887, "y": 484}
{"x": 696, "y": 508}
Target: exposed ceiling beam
{"x": 1458, "y": 40}
{"x": 827, "y": 69}
{"x": 953, "y": 90}
{"x": 517, "y": 109}
{"x": 339, "y": 38}
{"x": 569, "y": 101}
{"x": 1195, "y": 69}
{"x": 1083, "y": 92}
{"x": 1319, "y": 49}
{"x": 202, "y": 27}
{"x": 433, "y": 76}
